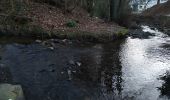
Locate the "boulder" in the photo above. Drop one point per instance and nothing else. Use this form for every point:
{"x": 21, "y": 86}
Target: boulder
{"x": 11, "y": 92}
{"x": 140, "y": 34}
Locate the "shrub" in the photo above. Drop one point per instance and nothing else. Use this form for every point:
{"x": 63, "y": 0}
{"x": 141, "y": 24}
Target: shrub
{"x": 71, "y": 23}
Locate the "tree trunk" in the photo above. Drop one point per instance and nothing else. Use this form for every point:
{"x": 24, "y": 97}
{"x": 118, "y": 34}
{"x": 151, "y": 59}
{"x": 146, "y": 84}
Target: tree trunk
{"x": 114, "y": 6}
{"x": 158, "y": 2}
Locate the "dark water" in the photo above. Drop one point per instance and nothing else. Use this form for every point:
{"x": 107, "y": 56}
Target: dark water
{"x": 130, "y": 69}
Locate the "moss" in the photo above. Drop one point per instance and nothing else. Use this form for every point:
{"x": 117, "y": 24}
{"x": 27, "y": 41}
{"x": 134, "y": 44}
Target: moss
{"x": 122, "y": 32}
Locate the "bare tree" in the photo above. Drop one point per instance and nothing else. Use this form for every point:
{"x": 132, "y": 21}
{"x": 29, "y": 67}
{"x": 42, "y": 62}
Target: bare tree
{"x": 147, "y": 2}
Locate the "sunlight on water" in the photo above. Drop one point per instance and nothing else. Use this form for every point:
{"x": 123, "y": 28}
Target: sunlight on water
{"x": 143, "y": 61}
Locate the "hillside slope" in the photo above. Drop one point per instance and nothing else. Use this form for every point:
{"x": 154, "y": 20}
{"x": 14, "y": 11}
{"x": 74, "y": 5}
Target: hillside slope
{"x": 161, "y": 9}
{"x": 54, "y": 20}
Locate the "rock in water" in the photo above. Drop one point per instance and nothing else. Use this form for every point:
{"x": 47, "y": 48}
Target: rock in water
{"x": 71, "y": 62}
{"x": 38, "y": 41}
{"x": 78, "y": 64}
{"x": 11, "y": 92}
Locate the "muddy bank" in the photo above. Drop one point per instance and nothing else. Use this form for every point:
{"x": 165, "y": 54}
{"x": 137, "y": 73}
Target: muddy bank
{"x": 9, "y": 27}
{"x": 39, "y": 33}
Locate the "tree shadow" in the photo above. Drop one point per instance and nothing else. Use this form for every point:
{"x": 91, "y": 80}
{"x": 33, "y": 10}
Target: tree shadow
{"x": 165, "y": 88}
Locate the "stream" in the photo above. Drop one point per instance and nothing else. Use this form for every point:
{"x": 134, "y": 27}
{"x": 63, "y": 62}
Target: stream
{"x": 129, "y": 69}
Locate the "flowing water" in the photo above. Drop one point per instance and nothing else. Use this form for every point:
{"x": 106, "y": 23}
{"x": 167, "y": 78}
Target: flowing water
{"x": 130, "y": 69}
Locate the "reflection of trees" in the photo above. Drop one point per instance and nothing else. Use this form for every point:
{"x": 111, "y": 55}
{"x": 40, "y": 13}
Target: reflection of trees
{"x": 111, "y": 68}
{"x": 5, "y": 74}
{"x": 165, "y": 89}
{"x": 89, "y": 71}
{"x": 102, "y": 69}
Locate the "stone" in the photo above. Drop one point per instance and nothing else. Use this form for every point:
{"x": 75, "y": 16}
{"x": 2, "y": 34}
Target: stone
{"x": 52, "y": 48}
{"x": 71, "y": 62}
{"x": 62, "y": 72}
{"x": 65, "y": 40}
{"x": 78, "y": 64}
{"x": 38, "y": 41}
{"x": 69, "y": 74}
{"x": 11, "y": 92}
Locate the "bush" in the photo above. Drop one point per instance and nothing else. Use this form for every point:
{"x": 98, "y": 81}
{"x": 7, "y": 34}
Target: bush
{"x": 71, "y": 23}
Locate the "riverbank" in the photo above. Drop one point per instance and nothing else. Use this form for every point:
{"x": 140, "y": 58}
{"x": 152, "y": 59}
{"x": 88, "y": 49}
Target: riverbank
{"x": 46, "y": 21}
{"x": 157, "y": 16}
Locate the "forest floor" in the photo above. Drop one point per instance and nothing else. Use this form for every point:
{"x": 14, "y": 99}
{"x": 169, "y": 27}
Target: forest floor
{"x": 54, "y": 21}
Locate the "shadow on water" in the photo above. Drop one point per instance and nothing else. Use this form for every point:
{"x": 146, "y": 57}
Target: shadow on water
{"x": 43, "y": 73}
{"x": 11, "y": 40}
{"x": 102, "y": 69}
{"x": 165, "y": 88}
{"x": 111, "y": 69}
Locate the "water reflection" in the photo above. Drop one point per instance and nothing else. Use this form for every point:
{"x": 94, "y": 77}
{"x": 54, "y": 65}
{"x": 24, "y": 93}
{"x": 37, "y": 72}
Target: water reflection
{"x": 123, "y": 70}
{"x": 102, "y": 69}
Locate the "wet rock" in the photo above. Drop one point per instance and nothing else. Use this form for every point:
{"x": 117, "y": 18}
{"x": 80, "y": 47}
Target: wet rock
{"x": 165, "y": 45}
{"x": 52, "y": 70}
{"x": 69, "y": 74}
{"x": 71, "y": 62}
{"x": 55, "y": 40}
{"x": 78, "y": 64}
{"x": 49, "y": 44}
{"x": 38, "y": 41}
{"x": 74, "y": 71}
{"x": 134, "y": 25}
{"x": 11, "y": 92}
{"x": 153, "y": 28}
{"x": 167, "y": 31}
{"x": 140, "y": 34}
{"x": 52, "y": 48}
{"x": 65, "y": 40}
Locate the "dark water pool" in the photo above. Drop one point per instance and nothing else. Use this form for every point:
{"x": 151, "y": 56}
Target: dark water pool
{"x": 130, "y": 69}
